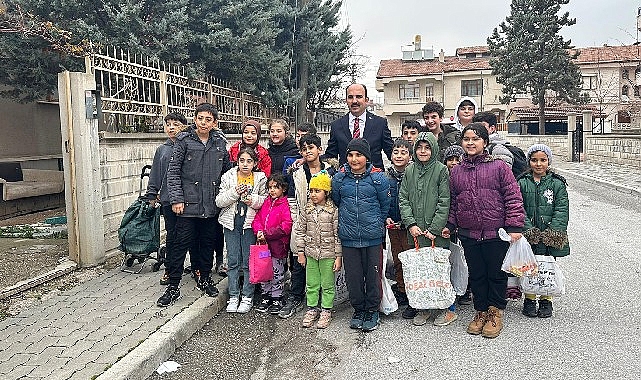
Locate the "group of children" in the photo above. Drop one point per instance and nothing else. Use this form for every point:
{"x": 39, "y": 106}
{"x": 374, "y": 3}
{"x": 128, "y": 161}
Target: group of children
{"x": 318, "y": 218}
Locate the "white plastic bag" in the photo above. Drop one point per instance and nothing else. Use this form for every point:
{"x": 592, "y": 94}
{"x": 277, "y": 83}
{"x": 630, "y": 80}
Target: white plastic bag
{"x": 519, "y": 259}
{"x": 340, "y": 287}
{"x": 388, "y": 300}
{"x": 426, "y": 272}
{"x": 459, "y": 273}
{"x": 548, "y": 279}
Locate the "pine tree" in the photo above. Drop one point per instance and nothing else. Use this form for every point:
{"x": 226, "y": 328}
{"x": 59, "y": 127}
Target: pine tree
{"x": 530, "y": 56}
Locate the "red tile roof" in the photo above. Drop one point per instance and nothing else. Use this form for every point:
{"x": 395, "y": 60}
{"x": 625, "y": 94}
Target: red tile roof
{"x": 472, "y": 50}
{"x": 390, "y": 68}
{"x": 629, "y": 53}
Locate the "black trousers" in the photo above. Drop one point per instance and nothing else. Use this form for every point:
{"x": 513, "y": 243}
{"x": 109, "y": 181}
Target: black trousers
{"x": 487, "y": 281}
{"x": 219, "y": 243}
{"x": 363, "y": 270}
{"x": 192, "y": 232}
{"x": 298, "y": 278}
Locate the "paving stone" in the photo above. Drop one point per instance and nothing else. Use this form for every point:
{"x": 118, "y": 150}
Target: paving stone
{"x": 20, "y": 372}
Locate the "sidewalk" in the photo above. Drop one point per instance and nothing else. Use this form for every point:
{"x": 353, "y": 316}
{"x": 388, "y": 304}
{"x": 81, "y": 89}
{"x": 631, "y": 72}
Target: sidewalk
{"x": 111, "y": 327}
{"x": 112, "y": 319}
{"x": 622, "y": 178}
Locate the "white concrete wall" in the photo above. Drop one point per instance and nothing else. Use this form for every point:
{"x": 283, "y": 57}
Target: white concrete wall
{"x": 614, "y": 149}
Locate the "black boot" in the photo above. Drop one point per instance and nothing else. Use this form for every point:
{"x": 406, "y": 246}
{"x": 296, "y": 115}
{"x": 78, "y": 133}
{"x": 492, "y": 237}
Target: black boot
{"x": 529, "y": 308}
{"x": 545, "y": 309}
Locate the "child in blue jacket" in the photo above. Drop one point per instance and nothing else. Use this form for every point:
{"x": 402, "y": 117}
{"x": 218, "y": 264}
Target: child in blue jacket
{"x": 362, "y": 194}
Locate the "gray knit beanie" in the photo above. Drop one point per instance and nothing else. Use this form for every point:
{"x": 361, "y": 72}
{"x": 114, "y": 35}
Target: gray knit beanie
{"x": 539, "y": 148}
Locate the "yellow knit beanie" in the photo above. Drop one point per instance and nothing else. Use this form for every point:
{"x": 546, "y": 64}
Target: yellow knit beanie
{"x": 321, "y": 181}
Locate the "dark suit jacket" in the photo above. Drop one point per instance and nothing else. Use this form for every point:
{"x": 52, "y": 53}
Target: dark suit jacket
{"x": 377, "y": 134}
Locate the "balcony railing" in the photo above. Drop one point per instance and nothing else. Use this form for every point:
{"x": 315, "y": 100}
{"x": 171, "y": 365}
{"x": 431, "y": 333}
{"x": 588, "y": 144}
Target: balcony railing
{"x": 420, "y": 100}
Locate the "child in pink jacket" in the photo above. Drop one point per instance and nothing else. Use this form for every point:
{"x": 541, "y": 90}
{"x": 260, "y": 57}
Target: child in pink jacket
{"x": 273, "y": 224}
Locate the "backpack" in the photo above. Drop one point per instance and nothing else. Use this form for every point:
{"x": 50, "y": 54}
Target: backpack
{"x": 519, "y": 165}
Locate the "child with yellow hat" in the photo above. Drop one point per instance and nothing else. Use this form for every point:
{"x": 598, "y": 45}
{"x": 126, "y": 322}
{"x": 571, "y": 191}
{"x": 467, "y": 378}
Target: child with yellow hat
{"x": 319, "y": 250}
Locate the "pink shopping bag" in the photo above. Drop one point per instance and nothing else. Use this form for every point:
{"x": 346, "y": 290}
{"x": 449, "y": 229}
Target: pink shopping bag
{"x": 260, "y": 264}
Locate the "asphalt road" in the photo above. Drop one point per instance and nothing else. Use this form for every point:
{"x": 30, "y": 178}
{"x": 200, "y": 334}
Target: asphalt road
{"x": 594, "y": 333}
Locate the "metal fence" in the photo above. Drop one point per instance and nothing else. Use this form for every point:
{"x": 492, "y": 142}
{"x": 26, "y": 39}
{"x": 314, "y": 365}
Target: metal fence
{"x": 137, "y": 91}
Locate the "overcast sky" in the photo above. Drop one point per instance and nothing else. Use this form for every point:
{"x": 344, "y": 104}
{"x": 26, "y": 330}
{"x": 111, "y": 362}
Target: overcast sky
{"x": 381, "y": 27}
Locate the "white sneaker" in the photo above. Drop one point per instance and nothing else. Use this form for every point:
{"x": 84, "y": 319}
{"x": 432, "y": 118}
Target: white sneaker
{"x": 245, "y": 305}
{"x": 232, "y": 305}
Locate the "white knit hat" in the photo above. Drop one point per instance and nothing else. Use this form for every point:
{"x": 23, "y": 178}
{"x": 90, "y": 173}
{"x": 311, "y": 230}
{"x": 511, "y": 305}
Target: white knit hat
{"x": 539, "y": 148}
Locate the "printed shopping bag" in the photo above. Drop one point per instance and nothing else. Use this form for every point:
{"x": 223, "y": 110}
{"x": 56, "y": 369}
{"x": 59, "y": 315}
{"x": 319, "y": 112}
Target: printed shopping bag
{"x": 388, "y": 300}
{"x": 340, "y": 287}
{"x": 427, "y": 277}
{"x": 519, "y": 259}
{"x": 548, "y": 279}
{"x": 459, "y": 273}
{"x": 260, "y": 264}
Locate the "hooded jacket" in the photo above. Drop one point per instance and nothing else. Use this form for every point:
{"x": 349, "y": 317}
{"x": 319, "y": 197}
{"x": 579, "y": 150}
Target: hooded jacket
{"x": 457, "y": 122}
{"x": 195, "y": 171}
{"x": 363, "y": 203}
{"x": 424, "y": 197}
{"x": 547, "y": 207}
{"x": 277, "y": 153}
{"x": 275, "y": 220}
{"x": 485, "y": 197}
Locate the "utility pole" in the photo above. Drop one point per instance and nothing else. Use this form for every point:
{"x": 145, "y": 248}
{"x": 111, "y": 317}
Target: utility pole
{"x": 301, "y": 107}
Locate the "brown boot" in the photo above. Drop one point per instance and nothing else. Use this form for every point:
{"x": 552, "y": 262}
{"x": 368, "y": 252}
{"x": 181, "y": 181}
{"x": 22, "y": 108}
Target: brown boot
{"x": 476, "y": 326}
{"x": 494, "y": 323}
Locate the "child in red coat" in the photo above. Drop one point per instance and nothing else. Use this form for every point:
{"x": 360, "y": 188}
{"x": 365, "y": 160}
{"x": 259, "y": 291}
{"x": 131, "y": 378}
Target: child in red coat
{"x": 273, "y": 224}
{"x": 251, "y": 138}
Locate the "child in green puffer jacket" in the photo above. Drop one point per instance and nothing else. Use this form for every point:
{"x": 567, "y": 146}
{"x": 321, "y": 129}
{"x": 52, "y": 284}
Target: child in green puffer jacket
{"x": 545, "y": 199}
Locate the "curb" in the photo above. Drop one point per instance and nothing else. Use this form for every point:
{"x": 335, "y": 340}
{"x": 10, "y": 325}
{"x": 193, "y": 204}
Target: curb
{"x": 63, "y": 268}
{"x": 142, "y": 361}
{"x": 622, "y": 188}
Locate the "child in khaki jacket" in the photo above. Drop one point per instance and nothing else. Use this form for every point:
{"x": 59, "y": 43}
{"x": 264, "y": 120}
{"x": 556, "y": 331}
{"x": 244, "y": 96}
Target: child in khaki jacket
{"x": 319, "y": 249}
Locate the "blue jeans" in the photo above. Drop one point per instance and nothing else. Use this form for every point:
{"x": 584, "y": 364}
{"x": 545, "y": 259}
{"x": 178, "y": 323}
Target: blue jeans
{"x": 238, "y": 242}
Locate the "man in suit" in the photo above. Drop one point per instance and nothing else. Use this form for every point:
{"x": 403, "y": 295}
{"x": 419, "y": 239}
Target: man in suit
{"x": 359, "y": 123}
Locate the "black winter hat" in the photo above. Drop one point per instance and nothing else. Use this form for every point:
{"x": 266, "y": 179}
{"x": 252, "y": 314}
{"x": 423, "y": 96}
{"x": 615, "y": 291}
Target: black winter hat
{"x": 361, "y": 146}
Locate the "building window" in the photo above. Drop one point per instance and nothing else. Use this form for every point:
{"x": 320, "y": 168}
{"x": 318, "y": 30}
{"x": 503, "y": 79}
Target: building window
{"x": 429, "y": 92}
{"x": 636, "y": 90}
{"x": 625, "y": 90}
{"x": 472, "y": 87}
{"x": 589, "y": 83}
{"x": 625, "y": 74}
{"x": 408, "y": 91}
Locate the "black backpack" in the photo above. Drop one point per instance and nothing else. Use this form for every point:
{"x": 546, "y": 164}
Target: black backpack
{"x": 519, "y": 165}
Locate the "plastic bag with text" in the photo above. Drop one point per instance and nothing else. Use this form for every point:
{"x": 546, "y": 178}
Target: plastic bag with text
{"x": 427, "y": 277}
{"x": 547, "y": 281}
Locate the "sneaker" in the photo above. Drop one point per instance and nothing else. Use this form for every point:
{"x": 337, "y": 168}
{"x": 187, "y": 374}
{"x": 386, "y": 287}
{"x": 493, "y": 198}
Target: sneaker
{"x": 529, "y": 308}
{"x": 310, "y": 316}
{"x": 221, "y": 269}
{"x": 409, "y": 313}
{"x": 276, "y": 307}
{"x": 513, "y": 293}
{"x": 232, "y": 305}
{"x": 371, "y": 321}
{"x": 494, "y": 324}
{"x": 421, "y": 317}
{"x": 207, "y": 287}
{"x": 264, "y": 305}
{"x": 324, "y": 319}
{"x": 465, "y": 299}
{"x": 245, "y": 305}
{"x": 445, "y": 317}
{"x": 291, "y": 307}
{"x": 545, "y": 309}
{"x": 357, "y": 320}
{"x": 476, "y": 326}
{"x": 164, "y": 280}
{"x": 172, "y": 293}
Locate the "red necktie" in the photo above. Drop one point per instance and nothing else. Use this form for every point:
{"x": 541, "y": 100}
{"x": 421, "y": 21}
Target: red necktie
{"x": 357, "y": 129}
